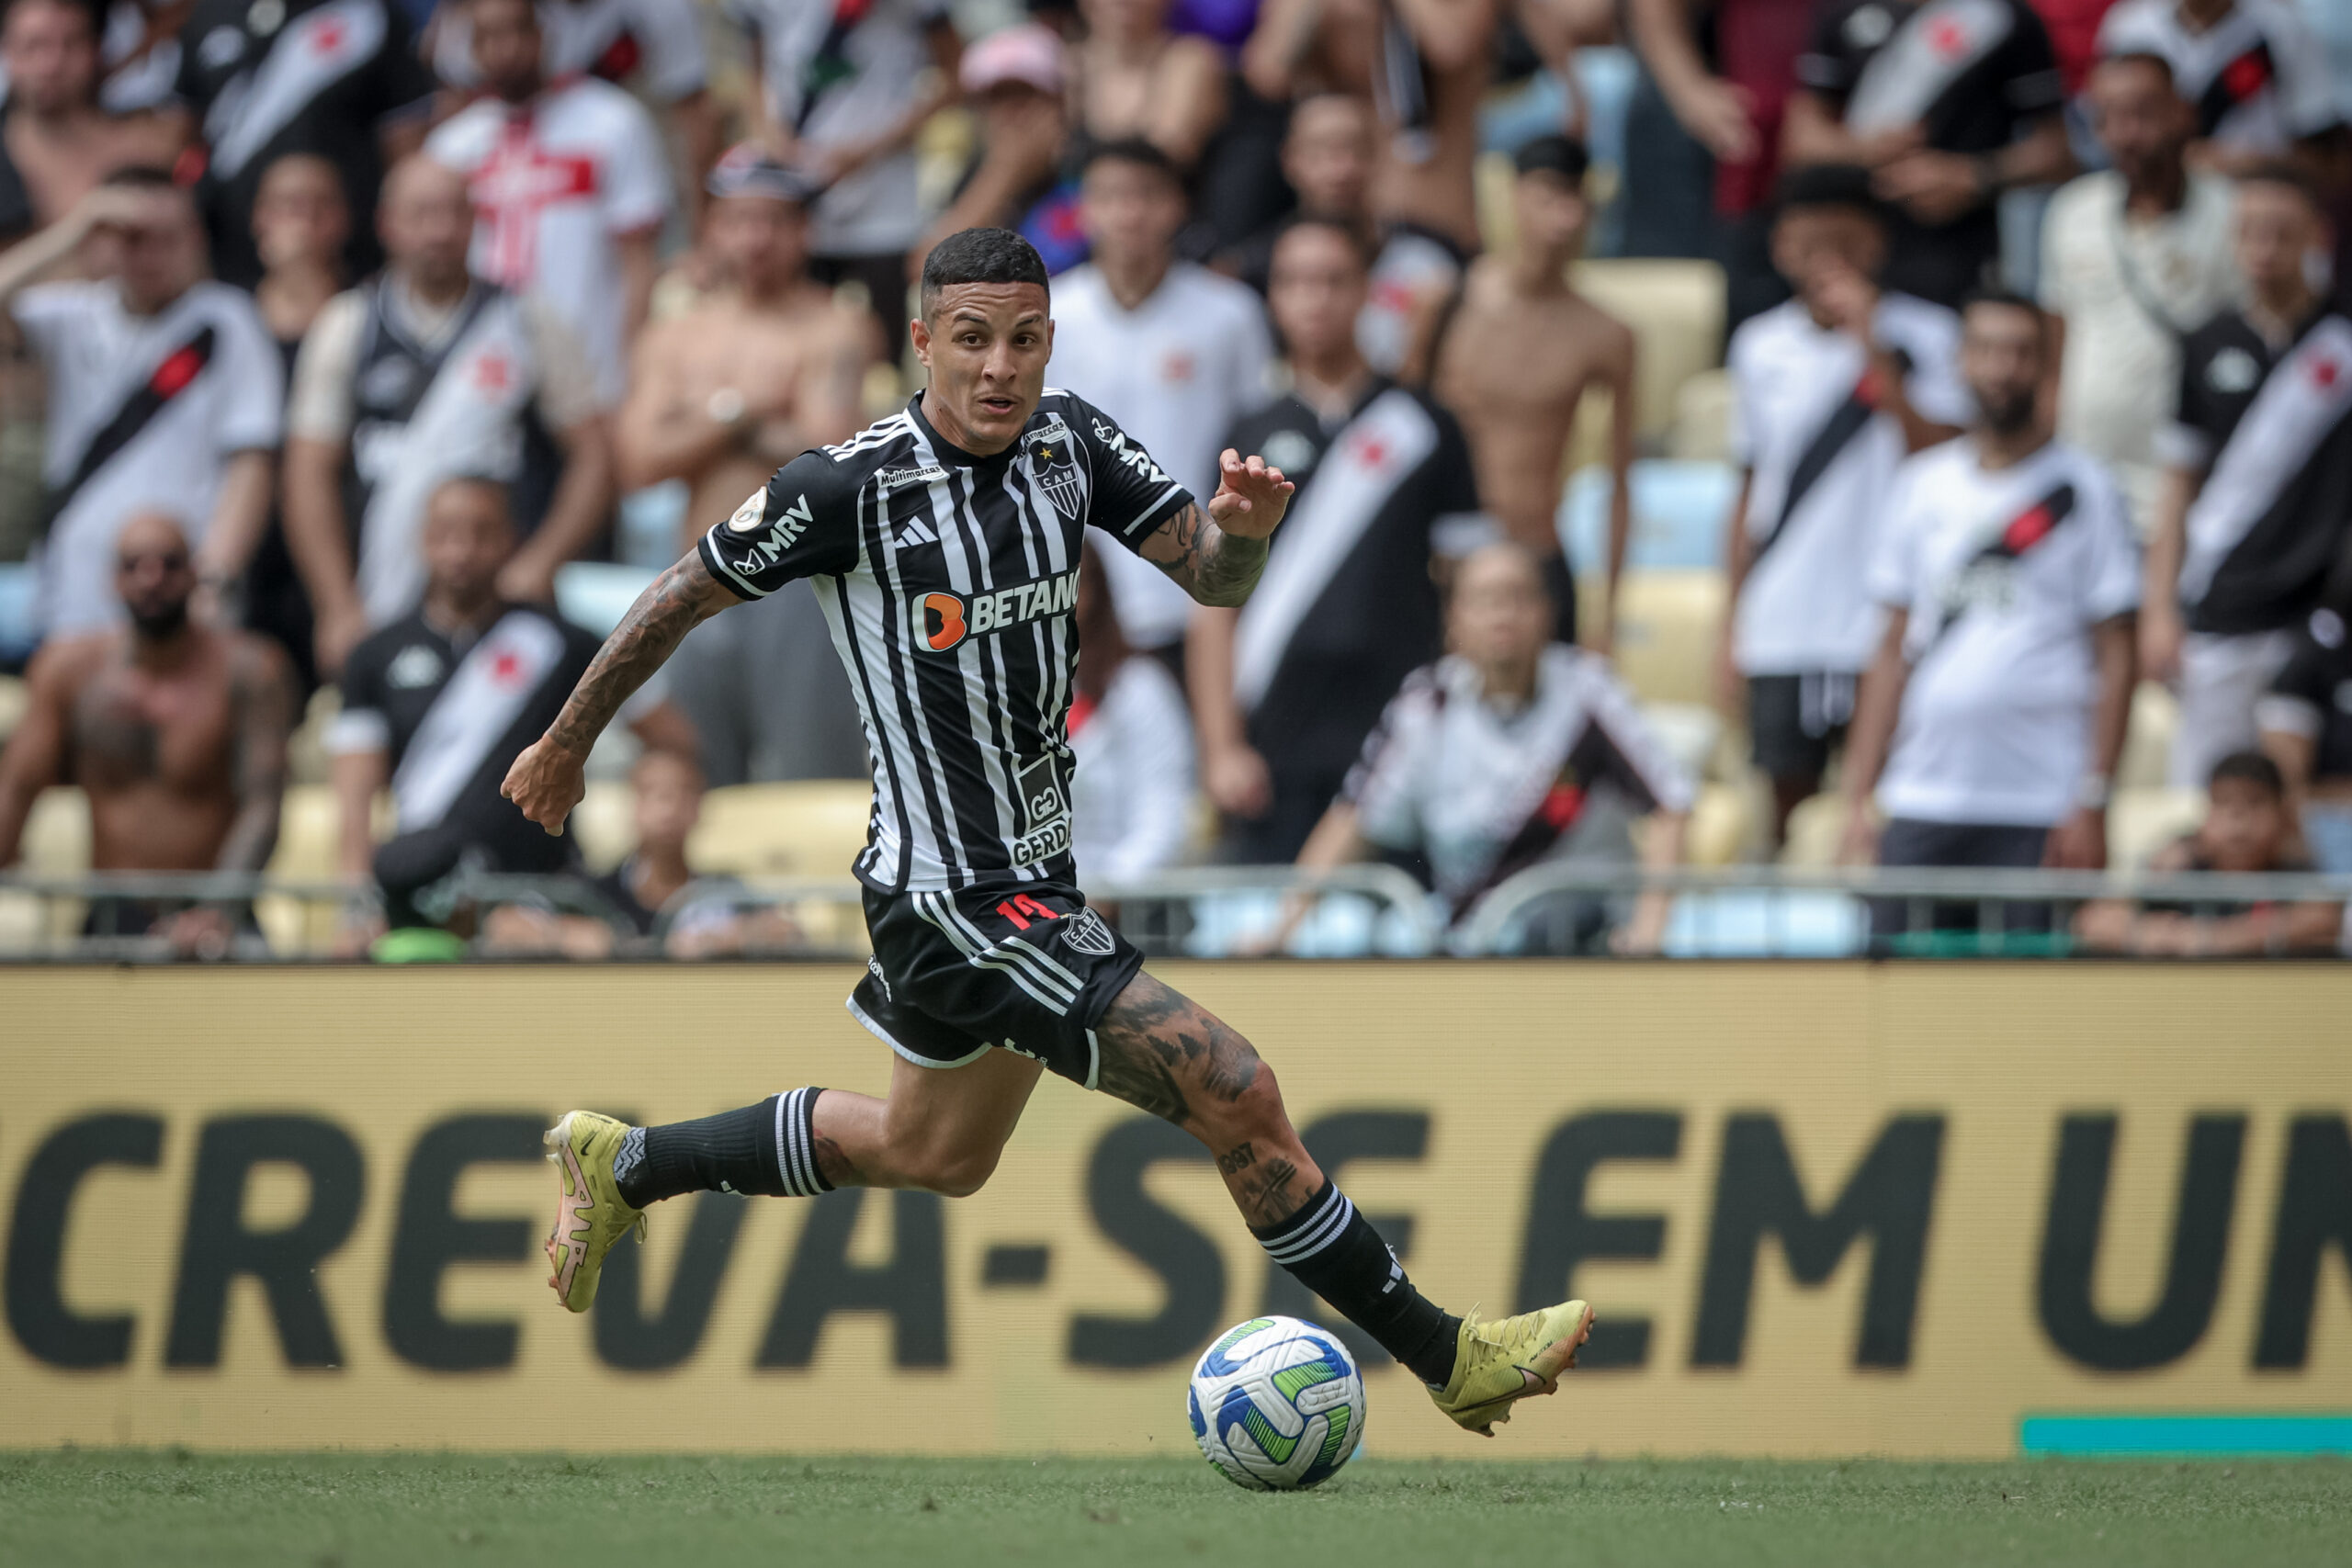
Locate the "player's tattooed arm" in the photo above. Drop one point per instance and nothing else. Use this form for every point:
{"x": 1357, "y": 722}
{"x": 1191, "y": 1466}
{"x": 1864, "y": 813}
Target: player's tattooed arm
{"x": 671, "y": 605}
{"x": 1213, "y": 566}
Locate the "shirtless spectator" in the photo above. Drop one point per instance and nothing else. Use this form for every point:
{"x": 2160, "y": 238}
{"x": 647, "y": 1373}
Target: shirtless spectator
{"x": 571, "y": 187}
{"x": 1424, "y": 62}
{"x": 175, "y": 731}
{"x": 1133, "y": 78}
{"x": 56, "y": 140}
{"x": 1518, "y": 356}
{"x": 1015, "y": 80}
{"x": 1950, "y": 105}
{"x": 1328, "y": 158}
{"x": 419, "y": 375}
{"x": 164, "y": 392}
{"x": 723, "y": 396}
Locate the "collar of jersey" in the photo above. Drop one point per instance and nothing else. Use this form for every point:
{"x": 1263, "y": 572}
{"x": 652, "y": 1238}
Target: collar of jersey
{"x": 946, "y": 451}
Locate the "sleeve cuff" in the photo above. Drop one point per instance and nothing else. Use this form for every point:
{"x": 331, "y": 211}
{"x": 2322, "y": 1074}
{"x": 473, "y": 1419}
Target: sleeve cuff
{"x": 358, "y": 729}
{"x": 2179, "y": 446}
{"x": 2289, "y": 716}
{"x": 1174, "y": 500}
{"x": 742, "y": 587}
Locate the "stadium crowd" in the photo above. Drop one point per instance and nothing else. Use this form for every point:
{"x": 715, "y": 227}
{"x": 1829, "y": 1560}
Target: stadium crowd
{"x": 357, "y": 346}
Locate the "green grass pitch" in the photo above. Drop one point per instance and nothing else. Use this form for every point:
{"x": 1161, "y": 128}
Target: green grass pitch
{"x": 59, "y": 1509}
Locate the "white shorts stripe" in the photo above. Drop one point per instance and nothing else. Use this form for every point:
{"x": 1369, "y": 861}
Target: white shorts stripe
{"x": 980, "y": 958}
{"x": 1047, "y": 968}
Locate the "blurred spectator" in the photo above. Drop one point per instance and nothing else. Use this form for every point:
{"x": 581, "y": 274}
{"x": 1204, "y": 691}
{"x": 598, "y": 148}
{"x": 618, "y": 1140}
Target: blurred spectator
{"x": 2305, "y": 722}
{"x": 164, "y": 393}
{"x": 1134, "y": 80}
{"x": 1509, "y": 753}
{"x": 1727, "y": 69}
{"x": 420, "y": 374}
{"x": 652, "y": 46}
{"x": 175, "y": 733}
{"x": 1328, "y": 158}
{"x": 340, "y": 78}
{"x": 1286, "y": 688}
{"x": 2134, "y": 257}
{"x": 1517, "y": 357}
{"x": 1990, "y": 723}
{"x": 59, "y": 138}
{"x": 1167, "y": 349}
{"x": 2256, "y": 507}
{"x": 138, "y": 53}
{"x": 645, "y": 889}
{"x": 1831, "y": 391}
{"x": 2258, "y": 79}
{"x": 724, "y": 395}
{"x": 2073, "y": 26}
{"x": 1131, "y": 788}
{"x": 1951, "y": 105}
{"x": 2249, "y": 829}
{"x": 569, "y": 189}
{"x": 843, "y": 90}
{"x": 1425, "y": 63}
{"x": 439, "y": 706}
{"x": 1016, "y": 78}
{"x": 300, "y": 224}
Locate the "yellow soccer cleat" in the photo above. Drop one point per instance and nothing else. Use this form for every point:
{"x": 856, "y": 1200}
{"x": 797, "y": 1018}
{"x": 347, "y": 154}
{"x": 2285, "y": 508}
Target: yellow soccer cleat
{"x": 590, "y": 1214}
{"x": 1495, "y": 1363}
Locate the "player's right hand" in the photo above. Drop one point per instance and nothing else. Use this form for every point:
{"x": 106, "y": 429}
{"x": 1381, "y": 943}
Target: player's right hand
{"x": 546, "y": 781}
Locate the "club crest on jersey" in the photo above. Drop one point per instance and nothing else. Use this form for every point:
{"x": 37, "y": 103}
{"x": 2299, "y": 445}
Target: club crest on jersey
{"x": 943, "y": 620}
{"x": 1053, "y": 468}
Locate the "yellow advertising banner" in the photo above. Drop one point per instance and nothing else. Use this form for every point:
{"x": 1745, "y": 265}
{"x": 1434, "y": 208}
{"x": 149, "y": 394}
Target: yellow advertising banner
{"x": 1822, "y": 1209}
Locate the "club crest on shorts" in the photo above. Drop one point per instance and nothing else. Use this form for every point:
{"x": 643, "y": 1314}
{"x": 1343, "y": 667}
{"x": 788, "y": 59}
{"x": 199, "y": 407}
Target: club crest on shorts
{"x": 1087, "y": 932}
{"x": 1053, "y": 468}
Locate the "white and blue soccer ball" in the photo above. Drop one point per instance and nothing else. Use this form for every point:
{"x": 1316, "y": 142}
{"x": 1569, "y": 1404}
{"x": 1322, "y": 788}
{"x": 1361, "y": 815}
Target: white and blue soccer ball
{"x": 1277, "y": 1404}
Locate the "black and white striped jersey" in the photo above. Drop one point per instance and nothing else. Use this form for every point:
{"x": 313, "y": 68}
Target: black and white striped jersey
{"x": 950, "y": 582}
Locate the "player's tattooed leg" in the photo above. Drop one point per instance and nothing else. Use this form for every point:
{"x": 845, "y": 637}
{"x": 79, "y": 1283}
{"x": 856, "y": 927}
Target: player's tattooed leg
{"x": 1165, "y": 1053}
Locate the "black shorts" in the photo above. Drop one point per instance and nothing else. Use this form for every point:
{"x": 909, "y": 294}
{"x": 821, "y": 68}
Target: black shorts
{"x": 1793, "y": 720}
{"x": 1026, "y": 969}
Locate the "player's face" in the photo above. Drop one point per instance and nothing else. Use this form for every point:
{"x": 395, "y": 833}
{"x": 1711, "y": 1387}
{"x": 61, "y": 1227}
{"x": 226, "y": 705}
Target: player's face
{"x": 985, "y": 345}
{"x": 761, "y": 243}
{"x": 1551, "y": 213}
{"x": 2141, "y": 121}
{"x": 2001, "y": 350}
{"x": 1131, "y": 213}
{"x": 1316, "y": 289}
{"x": 2277, "y": 232}
{"x": 52, "y": 55}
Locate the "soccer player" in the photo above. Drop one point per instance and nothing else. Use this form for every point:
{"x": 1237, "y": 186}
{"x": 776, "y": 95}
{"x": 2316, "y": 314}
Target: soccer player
{"x": 945, "y": 546}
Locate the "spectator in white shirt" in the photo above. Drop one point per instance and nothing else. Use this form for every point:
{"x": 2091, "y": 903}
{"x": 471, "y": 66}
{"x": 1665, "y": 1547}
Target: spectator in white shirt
{"x": 2257, "y": 80}
{"x": 166, "y": 394}
{"x": 1131, "y": 791}
{"x": 569, "y": 187}
{"x": 1990, "y": 724}
{"x": 1171, "y": 350}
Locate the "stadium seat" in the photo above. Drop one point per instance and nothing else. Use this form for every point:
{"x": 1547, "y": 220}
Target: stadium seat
{"x": 1701, "y": 432}
{"x": 1676, "y": 309}
{"x": 1678, "y": 512}
{"x": 1723, "y": 824}
{"x": 2142, "y": 821}
{"x": 596, "y": 594}
{"x": 605, "y": 823}
{"x": 1666, "y": 626}
{"x": 12, "y": 706}
{"x": 1815, "y": 827}
{"x": 20, "y": 585}
{"x": 812, "y": 828}
{"x": 2147, "y": 746}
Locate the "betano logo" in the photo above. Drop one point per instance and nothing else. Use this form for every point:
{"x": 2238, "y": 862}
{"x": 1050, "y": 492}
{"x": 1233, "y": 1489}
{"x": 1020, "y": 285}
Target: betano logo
{"x": 943, "y": 620}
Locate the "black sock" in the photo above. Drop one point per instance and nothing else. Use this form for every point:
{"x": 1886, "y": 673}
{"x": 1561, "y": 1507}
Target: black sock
{"x": 1333, "y": 1251}
{"x": 769, "y": 1148}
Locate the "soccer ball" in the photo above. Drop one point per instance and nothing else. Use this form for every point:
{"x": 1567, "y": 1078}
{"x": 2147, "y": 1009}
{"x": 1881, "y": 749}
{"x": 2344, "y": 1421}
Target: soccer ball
{"x": 1277, "y": 1404}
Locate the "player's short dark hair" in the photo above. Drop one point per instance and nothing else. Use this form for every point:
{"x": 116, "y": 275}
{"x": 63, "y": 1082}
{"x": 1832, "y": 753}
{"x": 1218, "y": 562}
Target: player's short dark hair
{"x": 1358, "y": 241}
{"x": 2250, "y": 767}
{"x": 2288, "y": 176}
{"x": 1992, "y": 299}
{"x": 1561, "y": 156}
{"x": 2147, "y": 57}
{"x": 980, "y": 255}
{"x": 1813, "y": 185}
{"x": 1134, "y": 150}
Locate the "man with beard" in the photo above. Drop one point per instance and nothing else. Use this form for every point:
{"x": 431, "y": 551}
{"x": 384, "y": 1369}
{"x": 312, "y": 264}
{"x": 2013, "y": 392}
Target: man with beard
{"x": 1990, "y": 724}
{"x": 174, "y": 731}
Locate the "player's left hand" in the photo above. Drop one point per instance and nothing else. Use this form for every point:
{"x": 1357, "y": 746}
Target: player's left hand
{"x": 1250, "y": 497}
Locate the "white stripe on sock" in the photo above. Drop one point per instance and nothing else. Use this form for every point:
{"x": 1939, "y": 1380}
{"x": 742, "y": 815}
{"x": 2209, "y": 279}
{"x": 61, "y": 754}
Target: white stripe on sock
{"x": 1315, "y": 1234}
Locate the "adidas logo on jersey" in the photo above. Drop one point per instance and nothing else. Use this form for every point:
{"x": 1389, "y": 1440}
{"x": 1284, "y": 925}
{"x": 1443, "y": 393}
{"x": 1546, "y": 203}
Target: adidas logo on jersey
{"x": 943, "y": 620}
{"x": 916, "y": 532}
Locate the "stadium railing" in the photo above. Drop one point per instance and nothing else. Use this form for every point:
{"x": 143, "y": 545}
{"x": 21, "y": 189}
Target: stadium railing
{"x": 1229, "y": 911}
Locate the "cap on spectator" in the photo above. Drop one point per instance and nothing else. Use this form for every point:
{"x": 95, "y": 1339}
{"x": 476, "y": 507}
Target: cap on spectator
{"x": 1029, "y": 55}
{"x": 747, "y": 169}
{"x": 1827, "y": 185}
{"x": 1561, "y": 156}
